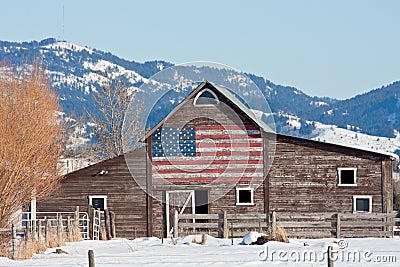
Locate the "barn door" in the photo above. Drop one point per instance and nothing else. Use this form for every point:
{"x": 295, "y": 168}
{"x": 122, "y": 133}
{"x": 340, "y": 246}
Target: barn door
{"x": 181, "y": 200}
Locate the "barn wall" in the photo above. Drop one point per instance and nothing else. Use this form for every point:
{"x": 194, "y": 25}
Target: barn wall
{"x": 227, "y": 201}
{"x": 304, "y": 177}
{"x": 124, "y": 196}
{"x": 203, "y": 116}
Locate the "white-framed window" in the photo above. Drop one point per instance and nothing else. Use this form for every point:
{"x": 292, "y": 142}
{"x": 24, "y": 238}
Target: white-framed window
{"x": 244, "y": 196}
{"x": 206, "y": 97}
{"x": 347, "y": 176}
{"x": 98, "y": 202}
{"x": 362, "y": 204}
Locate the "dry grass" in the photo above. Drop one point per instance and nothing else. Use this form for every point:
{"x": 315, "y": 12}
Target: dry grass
{"x": 29, "y": 246}
{"x": 103, "y": 234}
{"x": 5, "y": 243}
{"x": 281, "y": 235}
{"x": 76, "y": 234}
{"x": 174, "y": 241}
{"x": 203, "y": 240}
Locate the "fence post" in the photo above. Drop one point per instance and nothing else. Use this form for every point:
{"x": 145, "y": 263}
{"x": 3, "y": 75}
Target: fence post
{"x": 338, "y": 225}
{"x": 14, "y": 242}
{"x": 28, "y": 229}
{"x": 69, "y": 228}
{"x": 112, "y": 222}
{"x": 76, "y": 217}
{"x": 107, "y": 224}
{"x": 225, "y": 225}
{"x": 232, "y": 232}
{"x": 33, "y": 229}
{"x": 175, "y": 223}
{"x": 273, "y": 224}
{"x": 59, "y": 229}
{"x": 385, "y": 228}
{"x": 39, "y": 230}
{"x": 329, "y": 258}
{"x": 46, "y": 230}
{"x": 91, "y": 258}
{"x": 90, "y": 214}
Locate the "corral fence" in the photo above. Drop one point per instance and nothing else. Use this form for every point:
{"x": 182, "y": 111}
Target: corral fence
{"x": 296, "y": 225}
{"x": 59, "y": 227}
{"x": 96, "y": 224}
{"x": 46, "y": 231}
{"x": 60, "y": 221}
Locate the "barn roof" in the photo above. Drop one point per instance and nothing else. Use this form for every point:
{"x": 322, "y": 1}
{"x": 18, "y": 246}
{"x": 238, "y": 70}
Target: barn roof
{"x": 228, "y": 94}
{"x": 224, "y": 92}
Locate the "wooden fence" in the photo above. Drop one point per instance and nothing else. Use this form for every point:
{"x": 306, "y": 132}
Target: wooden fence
{"x": 339, "y": 225}
{"x": 40, "y": 230}
{"x": 59, "y": 227}
{"x": 34, "y": 222}
{"x": 296, "y": 225}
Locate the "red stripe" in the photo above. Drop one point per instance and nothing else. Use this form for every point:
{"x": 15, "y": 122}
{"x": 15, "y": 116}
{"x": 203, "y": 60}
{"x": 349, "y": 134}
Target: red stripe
{"x": 229, "y": 145}
{"x": 227, "y": 127}
{"x": 204, "y": 162}
{"x": 230, "y": 153}
{"x": 219, "y": 170}
{"x": 227, "y": 136}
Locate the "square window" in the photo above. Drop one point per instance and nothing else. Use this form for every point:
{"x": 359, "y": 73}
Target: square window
{"x": 347, "y": 176}
{"x": 244, "y": 196}
{"x": 98, "y": 202}
{"x": 362, "y": 204}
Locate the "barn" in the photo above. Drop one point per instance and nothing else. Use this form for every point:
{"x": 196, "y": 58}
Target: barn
{"x": 212, "y": 162}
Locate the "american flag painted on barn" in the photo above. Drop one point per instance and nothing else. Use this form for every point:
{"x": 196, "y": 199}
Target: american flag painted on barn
{"x": 207, "y": 153}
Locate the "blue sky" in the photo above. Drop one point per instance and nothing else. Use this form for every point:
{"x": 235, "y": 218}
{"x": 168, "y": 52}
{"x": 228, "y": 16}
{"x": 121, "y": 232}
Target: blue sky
{"x": 326, "y": 48}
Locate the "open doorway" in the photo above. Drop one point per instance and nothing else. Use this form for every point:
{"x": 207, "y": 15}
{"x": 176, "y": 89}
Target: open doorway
{"x": 201, "y": 201}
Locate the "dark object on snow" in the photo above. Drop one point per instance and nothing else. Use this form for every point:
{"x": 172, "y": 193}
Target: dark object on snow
{"x": 60, "y": 251}
{"x": 262, "y": 240}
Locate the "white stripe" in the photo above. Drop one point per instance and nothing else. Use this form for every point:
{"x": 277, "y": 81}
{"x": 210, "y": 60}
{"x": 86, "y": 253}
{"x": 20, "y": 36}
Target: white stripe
{"x": 233, "y": 140}
{"x": 228, "y": 149}
{"x": 209, "y": 158}
{"x": 215, "y": 132}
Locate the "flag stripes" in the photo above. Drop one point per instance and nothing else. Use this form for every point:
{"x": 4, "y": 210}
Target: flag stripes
{"x": 207, "y": 153}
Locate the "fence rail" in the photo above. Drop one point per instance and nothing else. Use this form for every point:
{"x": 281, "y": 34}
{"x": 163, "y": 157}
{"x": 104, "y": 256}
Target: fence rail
{"x": 310, "y": 225}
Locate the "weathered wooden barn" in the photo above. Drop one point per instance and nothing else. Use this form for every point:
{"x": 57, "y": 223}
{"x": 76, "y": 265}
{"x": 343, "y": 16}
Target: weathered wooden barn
{"x": 211, "y": 155}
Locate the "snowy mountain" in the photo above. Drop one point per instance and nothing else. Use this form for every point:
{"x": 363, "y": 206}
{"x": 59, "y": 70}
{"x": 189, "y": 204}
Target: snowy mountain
{"x": 370, "y": 120}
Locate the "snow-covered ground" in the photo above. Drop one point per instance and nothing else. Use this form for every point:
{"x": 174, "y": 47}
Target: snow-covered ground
{"x": 220, "y": 252}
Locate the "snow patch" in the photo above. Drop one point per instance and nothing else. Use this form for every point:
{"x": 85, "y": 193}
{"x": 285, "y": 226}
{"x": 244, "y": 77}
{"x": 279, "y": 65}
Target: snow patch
{"x": 251, "y": 237}
{"x": 318, "y": 103}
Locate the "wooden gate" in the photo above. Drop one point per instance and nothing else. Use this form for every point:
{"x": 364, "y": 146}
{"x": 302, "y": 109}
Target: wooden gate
{"x": 180, "y": 200}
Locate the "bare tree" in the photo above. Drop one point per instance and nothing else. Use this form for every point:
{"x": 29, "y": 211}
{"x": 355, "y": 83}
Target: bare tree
{"x": 113, "y": 101}
{"x": 29, "y": 138}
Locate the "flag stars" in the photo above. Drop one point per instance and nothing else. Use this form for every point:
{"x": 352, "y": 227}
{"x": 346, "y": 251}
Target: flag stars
{"x": 174, "y": 142}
